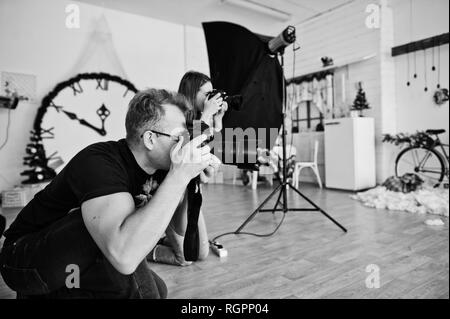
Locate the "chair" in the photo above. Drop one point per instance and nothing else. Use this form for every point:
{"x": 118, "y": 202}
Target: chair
{"x": 313, "y": 165}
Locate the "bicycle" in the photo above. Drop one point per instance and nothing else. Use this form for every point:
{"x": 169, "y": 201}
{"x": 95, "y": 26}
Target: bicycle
{"x": 425, "y": 156}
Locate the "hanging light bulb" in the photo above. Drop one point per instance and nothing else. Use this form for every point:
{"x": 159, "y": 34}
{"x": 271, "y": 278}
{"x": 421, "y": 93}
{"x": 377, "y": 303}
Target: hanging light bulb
{"x": 433, "y": 68}
{"x": 425, "y": 69}
{"x": 408, "y": 69}
{"x": 439, "y": 67}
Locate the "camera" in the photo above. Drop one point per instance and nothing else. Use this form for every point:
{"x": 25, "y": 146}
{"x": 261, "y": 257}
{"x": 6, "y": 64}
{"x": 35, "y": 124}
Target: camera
{"x": 234, "y": 101}
{"x": 197, "y": 128}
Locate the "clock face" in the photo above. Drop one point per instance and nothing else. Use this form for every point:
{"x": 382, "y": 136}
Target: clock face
{"x": 86, "y": 109}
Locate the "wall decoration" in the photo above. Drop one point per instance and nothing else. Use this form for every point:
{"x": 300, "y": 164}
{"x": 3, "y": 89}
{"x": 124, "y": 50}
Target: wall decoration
{"x": 327, "y": 61}
{"x": 37, "y": 159}
{"x": 99, "y": 54}
{"x": 422, "y": 45}
{"x": 408, "y": 83}
{"x": 418, "y": 139}
{"x": 415, "y": 64}
{"x": 440, "y": 96}
{"x": 19, "y": 84}
{"x": 85, "y": 109}
{"x": 425, "y": 70}
{"x": 439, "y": 69}
{"x": 433, "y": 63}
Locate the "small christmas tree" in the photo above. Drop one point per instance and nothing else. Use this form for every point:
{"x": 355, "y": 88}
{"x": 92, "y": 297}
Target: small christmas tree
{"x": 37, "y": 160}
{"x": 360, "y": 103}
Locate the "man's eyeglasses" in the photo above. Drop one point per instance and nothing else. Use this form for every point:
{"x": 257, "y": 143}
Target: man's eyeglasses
{"x": 175, "y": 138}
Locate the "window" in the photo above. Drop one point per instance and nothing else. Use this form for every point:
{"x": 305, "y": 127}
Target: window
{"x": 310, "y": 100}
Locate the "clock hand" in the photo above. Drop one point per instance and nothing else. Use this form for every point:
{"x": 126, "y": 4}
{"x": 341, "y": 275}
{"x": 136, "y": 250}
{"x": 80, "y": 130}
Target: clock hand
{"x": 73, "y": 116}
{"x": 103, "y": 112}
{"x": 100, "y": 131}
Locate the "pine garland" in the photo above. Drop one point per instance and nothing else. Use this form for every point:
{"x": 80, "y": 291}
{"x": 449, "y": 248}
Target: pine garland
{"x": 419, "y": 139}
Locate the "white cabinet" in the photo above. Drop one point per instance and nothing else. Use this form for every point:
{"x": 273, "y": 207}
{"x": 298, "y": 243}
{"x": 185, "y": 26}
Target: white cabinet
{"x": 350, "y": 153}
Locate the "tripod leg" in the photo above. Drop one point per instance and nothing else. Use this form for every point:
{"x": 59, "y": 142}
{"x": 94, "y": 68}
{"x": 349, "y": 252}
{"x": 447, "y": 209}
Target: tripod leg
{"x": 319, "y": 209}
{"x": 237, "y": 231}
{"x": 278, "y": 201}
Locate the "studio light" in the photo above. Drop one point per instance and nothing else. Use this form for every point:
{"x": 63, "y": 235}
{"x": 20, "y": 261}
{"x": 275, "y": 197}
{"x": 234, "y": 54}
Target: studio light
{"x": 284, "y": 39}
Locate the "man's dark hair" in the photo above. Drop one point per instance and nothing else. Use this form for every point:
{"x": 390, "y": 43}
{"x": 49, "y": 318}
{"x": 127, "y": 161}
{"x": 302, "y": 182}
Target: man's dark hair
{"x": 145, "y": 110}
{"x": 190, "y": 84}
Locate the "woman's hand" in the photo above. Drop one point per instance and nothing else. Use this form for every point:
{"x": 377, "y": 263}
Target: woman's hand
{"x": 218, "y": 117}
{"x": 209, "y": 171}
{"x": 204, "y": 178}
{"x": 206, "y": 174}
{"x": 211, "y": 107}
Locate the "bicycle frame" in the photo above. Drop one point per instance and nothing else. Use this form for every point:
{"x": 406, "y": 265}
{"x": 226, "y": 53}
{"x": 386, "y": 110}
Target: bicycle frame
{"x": 444, "y": 152}
{"x": 438, "y": 144}
{"x": 422, "y": 162}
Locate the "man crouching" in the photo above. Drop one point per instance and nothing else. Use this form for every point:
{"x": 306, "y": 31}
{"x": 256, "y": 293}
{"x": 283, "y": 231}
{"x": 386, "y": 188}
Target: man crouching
{"x": 107, "y": 209}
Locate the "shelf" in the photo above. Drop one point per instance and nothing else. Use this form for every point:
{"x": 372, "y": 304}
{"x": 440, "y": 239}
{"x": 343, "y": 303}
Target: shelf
{"x": 423, "y": 44}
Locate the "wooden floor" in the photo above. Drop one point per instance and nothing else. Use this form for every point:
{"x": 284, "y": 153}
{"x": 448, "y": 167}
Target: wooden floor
{"x": 309, "y": 257}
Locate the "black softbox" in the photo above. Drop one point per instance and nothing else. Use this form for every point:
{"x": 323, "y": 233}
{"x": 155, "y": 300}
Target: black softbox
{"x": 240, "y": 63}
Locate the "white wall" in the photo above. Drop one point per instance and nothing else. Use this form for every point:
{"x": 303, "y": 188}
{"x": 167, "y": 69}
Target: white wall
{"x": 343, "y": 35}
{"x": 415, "y": 107}
{"x": 196, "y": 53}
{"x": 35, "y": 40}
{"x": 340, "y": 34}
{"x": 412, "y": 108}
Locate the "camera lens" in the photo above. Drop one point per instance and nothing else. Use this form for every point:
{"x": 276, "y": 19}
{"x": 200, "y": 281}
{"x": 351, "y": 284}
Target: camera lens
{"x": 234, "y": 102}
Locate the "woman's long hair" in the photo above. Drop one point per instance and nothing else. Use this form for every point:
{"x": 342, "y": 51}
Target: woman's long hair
{"x": 190, "y": 84}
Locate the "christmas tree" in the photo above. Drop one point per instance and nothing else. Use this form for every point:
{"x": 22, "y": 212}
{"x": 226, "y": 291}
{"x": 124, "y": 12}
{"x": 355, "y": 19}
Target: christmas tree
{"x": 37, "y": 160}
{"x": 360, "y": 103}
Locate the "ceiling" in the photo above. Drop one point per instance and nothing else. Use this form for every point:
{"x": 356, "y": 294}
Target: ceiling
{"x": 194, "y": 12}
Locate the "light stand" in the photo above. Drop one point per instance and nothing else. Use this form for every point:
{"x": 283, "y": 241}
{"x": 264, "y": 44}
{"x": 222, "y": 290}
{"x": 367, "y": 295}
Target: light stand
{"x": 284, "y": 184}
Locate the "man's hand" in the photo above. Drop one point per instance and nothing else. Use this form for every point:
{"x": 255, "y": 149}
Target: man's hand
{"x": 190, "y": 160}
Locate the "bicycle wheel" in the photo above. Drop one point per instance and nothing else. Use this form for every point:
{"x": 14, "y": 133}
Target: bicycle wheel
{"x": 445, "y": 154}
{"x": 426, "y": 163}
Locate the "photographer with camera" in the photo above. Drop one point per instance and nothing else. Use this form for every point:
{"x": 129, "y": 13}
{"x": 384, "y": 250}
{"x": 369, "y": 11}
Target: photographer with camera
{"x": 87, "y": 234}
{"x": 208, "y": 104}
{"x": 208, "y": 107}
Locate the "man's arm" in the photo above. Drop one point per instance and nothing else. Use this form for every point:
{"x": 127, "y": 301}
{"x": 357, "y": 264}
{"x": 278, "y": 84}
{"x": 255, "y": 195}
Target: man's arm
{"x": 126, "y": 235}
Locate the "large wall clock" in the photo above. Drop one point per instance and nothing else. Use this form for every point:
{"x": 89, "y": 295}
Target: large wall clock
{"x": 88, "y": 108}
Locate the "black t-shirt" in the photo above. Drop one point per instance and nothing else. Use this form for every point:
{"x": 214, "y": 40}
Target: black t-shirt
{"x": 99, "y": 169}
